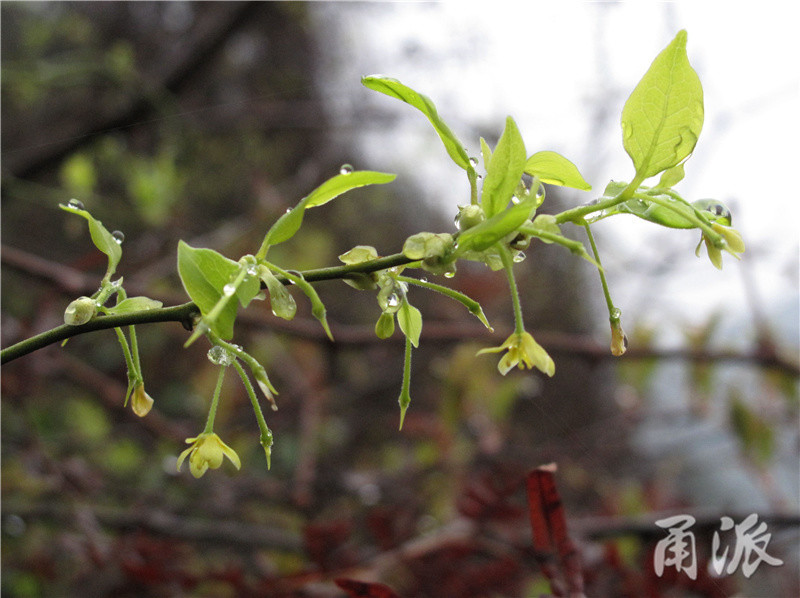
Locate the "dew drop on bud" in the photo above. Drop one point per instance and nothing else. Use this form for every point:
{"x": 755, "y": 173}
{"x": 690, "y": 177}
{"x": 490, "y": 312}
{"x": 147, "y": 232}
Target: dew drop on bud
{"x": 473, "y": 162}
{"x": 615, "y": 314}
{"x": 119, "y": 236}
{"x": 75, "y": 203}
{"x": 346, "y": 169}
{"x": 228, "y": 290}
{"x": 449, "y": 274}
{"x": 519, "y": 256}
{"x": 393, "y": 300}
{"x": 252, "y": 271}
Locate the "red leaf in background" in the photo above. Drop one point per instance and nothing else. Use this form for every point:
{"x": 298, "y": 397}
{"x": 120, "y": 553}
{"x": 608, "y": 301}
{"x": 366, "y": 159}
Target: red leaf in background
{"x": 363, "y": 589}
{"x": 549, "y": 526}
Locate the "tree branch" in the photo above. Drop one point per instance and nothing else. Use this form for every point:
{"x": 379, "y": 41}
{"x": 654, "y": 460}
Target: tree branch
{"x": 583, "y": 346}
{"x": 185, "y": 314}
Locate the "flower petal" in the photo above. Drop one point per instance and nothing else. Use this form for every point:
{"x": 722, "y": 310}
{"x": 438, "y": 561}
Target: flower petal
{"x": 507, "y": 362}
{"x": 231, "y": 454}
{"x": 198, "y": 468}
{"x": 183, "y": 456}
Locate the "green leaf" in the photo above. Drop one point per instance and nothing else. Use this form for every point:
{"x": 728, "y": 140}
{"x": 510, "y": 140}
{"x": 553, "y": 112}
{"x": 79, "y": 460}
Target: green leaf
{"x": 410, "y": 320}
{"x": 384, "y": 327}
{"x": 395, "y": 89}
{"x": 101, "y": 238}
{"x": 317, "y": 306}
{"x": 486, "y": 153}
{"x": 489, "y": 232}
{"x": 553, "y": 168}
{"x": 248, "y": 289}
{"x": 204, "y": 273}
{"x": 133, "y": 304}
{"x": 283, "y": 304}
{"x": 504, "y": 170}
{"x": 672, "y": 176}
{"x": 287, "y": 225}
{"x": 663, "y": 117}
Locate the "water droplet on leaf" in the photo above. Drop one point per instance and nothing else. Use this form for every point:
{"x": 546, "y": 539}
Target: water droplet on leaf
{"x": 346, "y": 169}
{"x": 473, "y": 162}
{"x": 75, "y": 203}
{"x": 519, "y": 256}
{"x": 393, "y": 300}
{"x": 627, "y": 130}
{"x": 449, "y": 274}
{"x": 228, "y": 290}
{"x": 119, "y": 236}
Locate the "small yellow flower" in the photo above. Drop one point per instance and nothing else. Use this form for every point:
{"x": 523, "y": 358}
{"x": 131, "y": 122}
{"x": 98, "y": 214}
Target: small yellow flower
{"x": 733, "y": 244}
{"x": 523, "y": 352}
{"x": 207, "y": 452}
{"x": 141, "y": 402}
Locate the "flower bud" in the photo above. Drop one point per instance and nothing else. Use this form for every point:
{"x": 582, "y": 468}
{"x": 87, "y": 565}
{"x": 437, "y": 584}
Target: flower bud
{"x": 80, "y": 311}
{"x": 469, "y": 216}
{"x": 141, "y": 402}
{"x": 619, "y": 340}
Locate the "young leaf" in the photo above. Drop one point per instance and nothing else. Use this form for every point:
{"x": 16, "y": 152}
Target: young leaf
{"x": 133, "y": 304}
{"x": 553, "y": 168}
{"x": 317, "y": 307}
{"x": 204, "y": 273}
{"x": 489, "y": 232}
{"x": 663, "y": 117}
{"x": 486, "y": 153}
{"x": 248, "y": 289}
{"x": 101, "y": 238}
{"x": 410, "y": 320}
{"x": 672, "y": 176}
{"x": 395, "y": 89}
{"x": 283, "y": 304}
{"x": 288, "y": 224}
{"x": 504, "y": 170}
